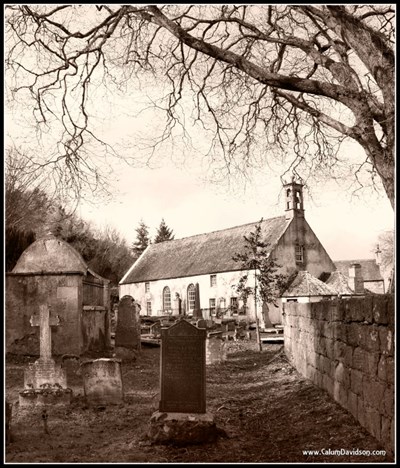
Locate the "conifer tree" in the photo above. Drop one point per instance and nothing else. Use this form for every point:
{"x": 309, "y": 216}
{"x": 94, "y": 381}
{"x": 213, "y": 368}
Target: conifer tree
{"x": 142, "y": 239}
{"x": 163, "y": 233}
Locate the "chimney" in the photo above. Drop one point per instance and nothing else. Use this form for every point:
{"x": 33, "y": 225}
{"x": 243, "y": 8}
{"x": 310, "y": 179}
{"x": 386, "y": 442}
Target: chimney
{"x": 356, "y": 282}
{"x": 378, "y": 258}
{"x": 294, "y": 206}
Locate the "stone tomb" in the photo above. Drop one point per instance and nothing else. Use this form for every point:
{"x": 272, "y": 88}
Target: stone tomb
{"x": 182, "y": 417}
{"x": 45, "y": 382}
{"x": 127, "y": 333}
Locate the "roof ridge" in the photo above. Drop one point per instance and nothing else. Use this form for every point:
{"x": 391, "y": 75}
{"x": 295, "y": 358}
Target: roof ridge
{"x": 220, "y": 230}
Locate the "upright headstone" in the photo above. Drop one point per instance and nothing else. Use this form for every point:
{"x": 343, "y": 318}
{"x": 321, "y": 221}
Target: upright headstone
{"x": 182, "y": 416}
{"x": 215, "y": 348}
{"x": 178, "y": 304}
{"x": 44, "y": 380}
{"x": 127, "y": 333}
{"x": 102, "y": 381}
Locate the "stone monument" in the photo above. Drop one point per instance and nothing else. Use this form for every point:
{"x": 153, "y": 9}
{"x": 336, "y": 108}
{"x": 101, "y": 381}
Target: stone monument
{"x": 127, "y": 333}
{"x": 182, "y": 417}
{"x": 45, "y": 382}
{"x": 102, "y": 381}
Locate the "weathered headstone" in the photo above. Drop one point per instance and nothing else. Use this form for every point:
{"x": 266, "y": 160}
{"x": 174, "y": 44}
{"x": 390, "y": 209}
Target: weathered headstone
{"x": 183, "y": 376}
{"x": 178, "y": 304}
{"x": 102, "y": 381}
{"x": 215, "y": 348}
{"x": 127, "y": 333}
{"x": 45, "y": 382}
{"x": 201, "y": 323}
{"x": 182, "y": 416}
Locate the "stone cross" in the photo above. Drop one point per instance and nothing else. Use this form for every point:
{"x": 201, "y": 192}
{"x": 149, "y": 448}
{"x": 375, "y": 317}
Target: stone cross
{"x": 45, "y": 322}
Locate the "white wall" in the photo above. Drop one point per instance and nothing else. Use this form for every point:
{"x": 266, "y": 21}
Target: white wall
{"x": 223, "y": 289}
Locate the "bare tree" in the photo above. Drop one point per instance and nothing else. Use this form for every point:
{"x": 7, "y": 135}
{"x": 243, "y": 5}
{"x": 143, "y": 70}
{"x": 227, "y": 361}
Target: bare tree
{"x": 26, "y": 202}
{"x": 386, "y": 245}
{"x": 261, "y": 78}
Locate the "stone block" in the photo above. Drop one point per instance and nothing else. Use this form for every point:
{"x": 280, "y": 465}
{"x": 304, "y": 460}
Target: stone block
{"x": 385, "y": 340}
{"x": 382, "y": 369}
{"x": 339, "y": 350}
{"x": 327, "y": 366}
{"x": 386, "y": 424}
{"x": 352, "y": 403}
{"x": 356, "y": 310}
{"x": 329, "y": 348}
{"x": 388, "y": 401}
{"x": 367, "y": 308}
{"x": 371, "y": 361}
{"x": 373, "y": 393}
{"x": 342, "y": 375}
{"x": 318, "y": 378}
{"x": 182, "y": 428}
{"x": 373, "y": 421}
{"x": 372, "y": 339}
{"x": 348, "y": 356}
{"x": 390, "y": 309}
{"x": 379, "y": 310}
{"x": 327, "y": 384}
{"x": 337, "y": 312}
{"x": 347, "y": 311}
{"x": 358, "y": 359}
{"x": 352, "y": 336}
{"x": 340, "y": 394}
{"x": 390, "y": 370}
{"x": 356, "y": 381}
{"x": 361, "y": 412}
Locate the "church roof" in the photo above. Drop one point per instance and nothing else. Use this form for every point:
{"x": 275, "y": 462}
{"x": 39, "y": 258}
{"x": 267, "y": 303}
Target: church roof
{"x": 200, "y": 254}
{"x": 306, "y": 285}
{"x": 369, "y": 269}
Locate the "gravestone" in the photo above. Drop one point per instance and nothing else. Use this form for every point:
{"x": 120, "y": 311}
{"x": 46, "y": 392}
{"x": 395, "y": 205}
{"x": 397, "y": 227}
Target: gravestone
{"x": 102, "y": 381}
{"x": 215, "y": 348}
{"x": 183, "y": 376}
{"x": 178, "y": 304}
{"x": 182, "y": 416}
{"x": 127, "y": 333}
{"x": 201, "y": 323}
{"x": 45, "y": 382}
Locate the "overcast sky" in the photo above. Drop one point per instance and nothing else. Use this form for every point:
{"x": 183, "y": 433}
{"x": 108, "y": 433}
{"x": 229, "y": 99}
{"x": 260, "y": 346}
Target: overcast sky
{"x": 347, "y": 226}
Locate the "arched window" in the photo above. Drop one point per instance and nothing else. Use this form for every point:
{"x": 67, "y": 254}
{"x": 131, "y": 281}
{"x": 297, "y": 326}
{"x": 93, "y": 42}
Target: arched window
{"x": 166, "y": 298}
{"x": 191, "y": 297}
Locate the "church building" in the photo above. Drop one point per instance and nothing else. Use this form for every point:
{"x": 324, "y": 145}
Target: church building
{"x": 197, "y": 275}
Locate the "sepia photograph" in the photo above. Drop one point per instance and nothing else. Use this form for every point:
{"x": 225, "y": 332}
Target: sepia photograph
{"x": 199, "y": 233}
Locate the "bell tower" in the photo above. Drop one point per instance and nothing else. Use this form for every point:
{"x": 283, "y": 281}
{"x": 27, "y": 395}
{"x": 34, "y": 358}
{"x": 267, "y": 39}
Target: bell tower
{"x": 294, "y": 204}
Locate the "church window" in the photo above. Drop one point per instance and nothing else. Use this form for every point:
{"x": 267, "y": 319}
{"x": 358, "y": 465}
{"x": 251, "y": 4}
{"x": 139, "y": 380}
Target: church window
{"x": 191, "y": 295}
{"x": 166, "y": 298}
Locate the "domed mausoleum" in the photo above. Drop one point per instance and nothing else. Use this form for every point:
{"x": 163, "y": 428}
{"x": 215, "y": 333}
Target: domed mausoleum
{"x": 51, "y": 272}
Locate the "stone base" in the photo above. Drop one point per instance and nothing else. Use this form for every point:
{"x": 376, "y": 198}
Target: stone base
{"x": 45, "y": 396}
{"x": 182, "y": 428}
{"x": 125, "y": 354}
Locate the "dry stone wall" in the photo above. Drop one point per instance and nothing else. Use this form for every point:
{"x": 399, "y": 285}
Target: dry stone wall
{"x": 346, "y": 347}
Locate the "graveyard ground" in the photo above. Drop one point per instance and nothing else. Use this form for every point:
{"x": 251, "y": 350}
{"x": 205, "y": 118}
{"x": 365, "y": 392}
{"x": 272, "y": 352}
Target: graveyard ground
{"x": 266, "y": 412}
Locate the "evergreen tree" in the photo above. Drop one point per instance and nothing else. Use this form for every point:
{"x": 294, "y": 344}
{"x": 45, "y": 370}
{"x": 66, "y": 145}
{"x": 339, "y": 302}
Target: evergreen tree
{"x": 163, "y": 233}
{"x": 268, "y": 284}
{"x": 142, "y": 239}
